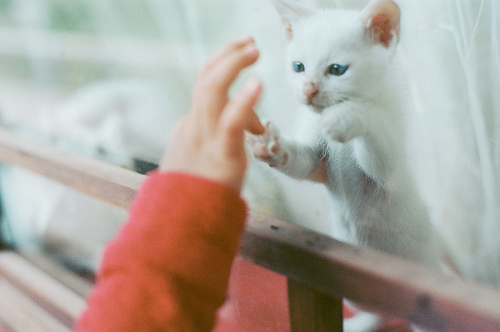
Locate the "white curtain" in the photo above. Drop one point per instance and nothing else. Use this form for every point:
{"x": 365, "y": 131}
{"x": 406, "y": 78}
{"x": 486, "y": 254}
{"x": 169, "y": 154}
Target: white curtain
{"x": 54, "y": 52}
{"x": 451, "y": 48}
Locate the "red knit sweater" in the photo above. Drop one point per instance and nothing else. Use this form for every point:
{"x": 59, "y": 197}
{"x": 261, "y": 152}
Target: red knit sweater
{"x": 168, "y": 268}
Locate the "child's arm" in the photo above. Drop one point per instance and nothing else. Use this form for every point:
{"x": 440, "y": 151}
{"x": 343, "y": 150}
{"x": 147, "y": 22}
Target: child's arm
{"x": 168, "y": 268}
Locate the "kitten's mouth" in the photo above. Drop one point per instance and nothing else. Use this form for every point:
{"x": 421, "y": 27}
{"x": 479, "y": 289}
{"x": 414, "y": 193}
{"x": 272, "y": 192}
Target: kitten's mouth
{"x": 318, "y": 107}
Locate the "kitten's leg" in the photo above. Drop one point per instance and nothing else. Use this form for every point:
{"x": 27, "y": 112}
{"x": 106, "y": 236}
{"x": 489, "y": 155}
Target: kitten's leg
{"x": 289, "y": 157}
{"x": 372, "y": 152}
{"x": 341, "y": 124}
{"x": 364, "y": 322}
{"x": 416, "y": 328}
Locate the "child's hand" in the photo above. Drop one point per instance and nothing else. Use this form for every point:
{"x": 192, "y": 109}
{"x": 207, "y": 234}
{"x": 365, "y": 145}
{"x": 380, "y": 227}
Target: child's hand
{"x": 210, "y": 140}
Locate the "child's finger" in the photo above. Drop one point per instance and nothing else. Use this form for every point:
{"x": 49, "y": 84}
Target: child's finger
{"x": 228, "y": 67}
{"x": 242, "y": 42}
{"x": 210, "y": 96}
{"x": 239, "y": 116}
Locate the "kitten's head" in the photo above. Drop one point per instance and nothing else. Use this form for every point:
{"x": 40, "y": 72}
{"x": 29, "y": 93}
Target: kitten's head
{"x": 338, "y": 55}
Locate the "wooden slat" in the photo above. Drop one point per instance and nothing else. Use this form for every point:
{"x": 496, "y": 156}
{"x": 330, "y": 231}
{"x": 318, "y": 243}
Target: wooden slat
{"x": 108, "y": 183}
{"x": 52, "y": 268}
{"x": 381, "y": 282}
{"x": 378, "y": 281}
{"x": 313, "y": 311}
{"x": 53, "y": 297}
{"x": 18, "y": 313}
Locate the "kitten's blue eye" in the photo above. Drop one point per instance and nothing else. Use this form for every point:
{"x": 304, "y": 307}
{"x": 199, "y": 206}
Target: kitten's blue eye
{"x": 337, "y": 70}
{"x": 298, "y": 66}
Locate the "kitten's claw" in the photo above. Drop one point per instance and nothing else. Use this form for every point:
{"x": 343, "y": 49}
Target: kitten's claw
{"x": 267, "y": 147}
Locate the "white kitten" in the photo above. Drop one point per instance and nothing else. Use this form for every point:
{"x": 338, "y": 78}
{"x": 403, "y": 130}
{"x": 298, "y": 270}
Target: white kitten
{"x": 343, "y": 65}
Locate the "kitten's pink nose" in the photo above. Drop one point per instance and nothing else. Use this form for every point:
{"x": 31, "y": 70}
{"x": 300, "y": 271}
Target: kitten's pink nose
{"x": 310, "y": 90}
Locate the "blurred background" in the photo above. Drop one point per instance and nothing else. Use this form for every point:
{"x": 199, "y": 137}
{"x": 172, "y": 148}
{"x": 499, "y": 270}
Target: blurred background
{"x": 108, "y": 78}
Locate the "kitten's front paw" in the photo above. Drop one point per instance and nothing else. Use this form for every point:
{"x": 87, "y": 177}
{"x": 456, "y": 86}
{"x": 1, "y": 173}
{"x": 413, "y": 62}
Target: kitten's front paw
{"x": 341, "y": 127}
{"x": 267, "y": 147}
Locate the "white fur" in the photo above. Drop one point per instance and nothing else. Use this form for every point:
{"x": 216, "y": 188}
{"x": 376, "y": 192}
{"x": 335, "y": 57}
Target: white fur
{"x": 358, "y": 129}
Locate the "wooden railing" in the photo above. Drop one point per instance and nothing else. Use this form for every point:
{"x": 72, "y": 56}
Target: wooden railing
{"x": 320, "y": 270}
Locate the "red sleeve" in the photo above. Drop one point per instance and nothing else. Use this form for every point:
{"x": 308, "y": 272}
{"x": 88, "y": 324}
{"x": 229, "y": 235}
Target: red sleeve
{"x": 168, "y": 268}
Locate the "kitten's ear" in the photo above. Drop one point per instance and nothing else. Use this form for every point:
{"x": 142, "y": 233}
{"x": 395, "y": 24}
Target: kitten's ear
{"x": 381, "y": 19}
{"x": 290, "y": 13}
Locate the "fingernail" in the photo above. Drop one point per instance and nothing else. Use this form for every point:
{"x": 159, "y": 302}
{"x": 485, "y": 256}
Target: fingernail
{"x": 250, "y": 48}
{"x": 245, "y": 39}
{"x": 252, "y": 85}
